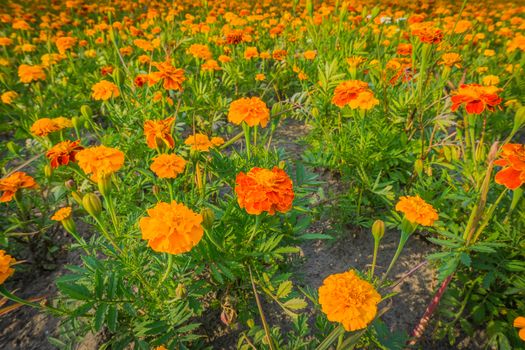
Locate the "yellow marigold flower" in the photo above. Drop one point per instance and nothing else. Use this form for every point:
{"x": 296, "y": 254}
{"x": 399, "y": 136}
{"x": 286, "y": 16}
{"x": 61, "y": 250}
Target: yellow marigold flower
{"x": 252, "y": 111}
{"x": 451, "y": 59}
{"x": 171, "y": 228}
{"x": 62, "y": 214}
{"x": 201, "y": 142}
{"x": 310, "y": 54}
{"x": 355, "y": 61}
{"x": 104, "y": 90}
{"x": 168, "y": 166}
{"x": 6, "y": 261}
{"x": 63, "y": 122}
{"x": 90, "y": 53}
{"x": 417, "y": 211}
{"x": 349, "y": 300}
{"x": 100, "y": 161}
{"x": 44, "y": 126}
{"x": 27, "y": 73}
{"x": 490, "y": 80}
{"x": 8, "y": 97}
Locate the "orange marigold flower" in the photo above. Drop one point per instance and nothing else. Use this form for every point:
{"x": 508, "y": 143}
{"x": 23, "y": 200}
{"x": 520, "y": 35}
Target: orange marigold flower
{"x": 354, "y": 93}
{"x": 64, "y": 152}
{"x": 519, "y": 323}
{"x": 451, "y": 59}
{"x": 11, "y": 184}
{"x": 8, "y": 97}
{"x": 279, "y": 55}
{"x": 263, "y": 190}
{"x": 168, "y": 166}
{"x": 426, "y": 33}
{"x": 236, "y": 36}
{"x": 251, "y": 52}
{"x": 104, "y": 90}
{"x": 349, "y": 300}
{"x": 100, "y": 161}
{"x": 199, "y": 51}
{"x": 64, "y": 43}
{"x": 210, "y": 66}
{"x": 476, "y": 98}
{"x": 310, "y": 54}
{"x": 252, "y": 111}
{"x": 417, "y": 211}
{"x": 44, "y": 126}
{"x": 512, "y": 160}
{"x": 62, "y": 214}
{"x": 404, "y": 49}
{"x": 158, "y": 132}
{"x": 27, "y": 73}
{"x": 201, "y": 142}
{"x": 172, "y": 77}
{"x": 6, "y": 261}
{"x": 171, "y": 228}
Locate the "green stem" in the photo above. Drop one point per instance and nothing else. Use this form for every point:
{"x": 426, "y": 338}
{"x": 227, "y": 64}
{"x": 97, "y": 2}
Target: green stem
{"x": 168, "y": 269}
{"x": 255, "y": 227}
{"x": 246, "y": 129}
{"x": 374, "y": 258}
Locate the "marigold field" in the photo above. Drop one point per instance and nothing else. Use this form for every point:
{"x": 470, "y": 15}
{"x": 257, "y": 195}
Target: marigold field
{"x": 301, "y": 175}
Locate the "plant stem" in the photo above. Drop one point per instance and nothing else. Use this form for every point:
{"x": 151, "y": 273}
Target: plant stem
{"x": 168, "y": 269}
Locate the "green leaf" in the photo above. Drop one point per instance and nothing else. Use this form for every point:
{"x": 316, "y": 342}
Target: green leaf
{"x": 308, "y": 236}
{"x": 284, "y": 289}
{"x": 75, "y": 291}
{"x": 465, "y": 259}
{"x": 295, "y": 304}
{"x": 100, "y": 316}
{"x": 112, "y": 318}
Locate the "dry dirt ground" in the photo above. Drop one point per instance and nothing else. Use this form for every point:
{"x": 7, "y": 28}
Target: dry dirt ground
{"x": 28, "y": 330}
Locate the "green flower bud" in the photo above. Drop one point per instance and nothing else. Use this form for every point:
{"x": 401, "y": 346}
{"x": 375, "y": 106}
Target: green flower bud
{"x": 92, "y": 204}
{"x": 418, "y": 166}
{"x": 378, "y": 229}
{"x": 86, "y": 111}
{"x": 180, "y": 291}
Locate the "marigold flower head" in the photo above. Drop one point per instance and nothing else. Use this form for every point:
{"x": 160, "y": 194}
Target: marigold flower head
{"x": 11, "y": 184}
{"x": 427, "y": 33}
{"x": 519, "y": 322}
{"x": 6, "y": 261}
{"x": 65, "y": 43}
{"x": 490, "y": 80}
{"x": 263, "y": 190}
{"x": 201, "y": 142}
{"x": 200, "y": 51}
{"x": 64, "y": 152}
{"x": 251, "y": 52}
{"x": 354, "y": 93}
{"x": 158, "y": 132}
{"x": 44, "y": 126}
{"x": 62, "y": 214}
{"x": 8, "y": 97}
{"x": 349, "y": 300}
{"x": 404, "y": 49}
{"x": 210, "y": 66}
{"x": 476, "y": 98}
{"x": 512, "y": 160}
{"x": 171, "y": 228}
{"x": 310, "y": 54}
{"x": 100, "y": 161}
{"x": 451, "y": 59}
{"x": 417, "y": 211}
{"x": 251, "y": 110}
{"x": 27, "y": 73}
{"x": 168, "y": 166}
{"x": 172, "y": 77}
{"x": 104, "y": 90}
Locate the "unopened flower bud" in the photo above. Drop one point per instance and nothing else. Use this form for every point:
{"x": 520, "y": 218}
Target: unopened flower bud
{"x": 180, "y": 291}
{"x": 76, "y": 122}
{"x": 92, "y": 204}
{"x": 378, "y": 229}
{"x": 155, "y": 189}
{"x": 48, "y": 171}
{"x": 76, "y": 196}
{"x": 282, "y": 164}
{"x": 70, "y": 184}
{"x": 86, "y": 111}
{"x": 418, "y": 166}
{"x": 104, "y": 185}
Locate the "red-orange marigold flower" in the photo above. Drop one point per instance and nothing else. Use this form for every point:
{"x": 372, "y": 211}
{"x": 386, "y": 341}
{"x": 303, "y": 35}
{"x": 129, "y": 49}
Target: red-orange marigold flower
{"x": 168, "y": 166}
{"x": 426, "y": 33}
{"x": 158, "y": 132}
{"x": 171, "y": 228}
{"x": 349, "y": 300}
{"x": 251, "y": 110}
{"x": 172, "y": 77}
{"x": 12, "y": 183}
{"x": 64, "y": 152}
{"x": 100, "y": 161}
{"x": 417, "y": 211}
{"x": 263, "y": 190}
{"x": 354, "y": 93}
{"x": 6, "y": 261}
{"x": 512, "y": 160}
{"x": 104, "y": 90}
{"x": 476, "y": 98}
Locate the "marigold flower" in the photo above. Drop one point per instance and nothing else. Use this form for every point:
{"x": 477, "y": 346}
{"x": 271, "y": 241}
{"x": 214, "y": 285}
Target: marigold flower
{"x": 349, "y": 300}
{"x": 6, "y": 261}
{"x": 354, "y": 93}
{"x": 417, "y": 211}
{"x": 426, "y": 33}
{"x": 263, "y": 190}
{"x": 519, "y": 323}
{"x": 200, "y": 51}
{"x": 490, "y": 80}
{"x": 310, "y": 54}
{"x": 63, "y": 153}
{"x": 171, "y": 228}
{"x": 62, "y": 214}
{"x": 158, "y": 132}
{"x": 451, "y": 59}
{"x": 210, "y": 66}
{"x": 512, "y": 160}
{"x": 168, "y": 166}
{"x": 260, "y": 77}
{"x": 201, "y": 142}
{"x": 100, "y": 161}
{"x": 27, "y": 73}
{"x": 251, "y": 110}
{"x": 65, "y": 43}
{"x": 104, "y": 90}
{"x": 172, "y": 77}
{"x": 404, "y": 49}
{"x": 44, "y": 126}
{"x": 14, "y": 182}
{"x": 476, "y": 98}
{"x": 251, "y": 52}
{"x": 8, "y": 97}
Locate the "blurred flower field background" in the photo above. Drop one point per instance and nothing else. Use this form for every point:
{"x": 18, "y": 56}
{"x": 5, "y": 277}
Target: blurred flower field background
{"x": 262, "y": 175}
